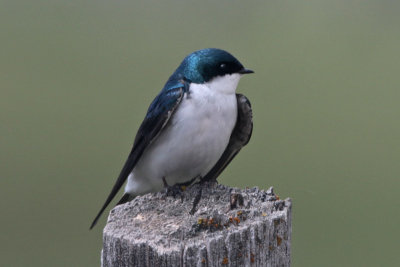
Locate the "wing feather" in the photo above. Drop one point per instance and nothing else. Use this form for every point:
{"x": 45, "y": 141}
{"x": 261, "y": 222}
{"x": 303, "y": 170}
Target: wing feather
{"x": 157, "y": 117}
{"x": 240, "y": 136}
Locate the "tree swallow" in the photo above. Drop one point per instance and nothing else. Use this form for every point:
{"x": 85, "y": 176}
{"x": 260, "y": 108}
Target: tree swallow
{"x": 193, "y": 128}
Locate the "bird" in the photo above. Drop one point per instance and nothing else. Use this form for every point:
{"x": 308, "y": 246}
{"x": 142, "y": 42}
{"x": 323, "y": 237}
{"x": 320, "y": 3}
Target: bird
{"x": 192, "y": 129}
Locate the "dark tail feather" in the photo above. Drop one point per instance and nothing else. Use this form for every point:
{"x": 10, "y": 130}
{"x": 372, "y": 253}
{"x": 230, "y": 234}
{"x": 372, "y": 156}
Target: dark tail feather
{"x": 98, "y": 215}
{"x": 125, "y": 198}
{"x": 128, "y": 166}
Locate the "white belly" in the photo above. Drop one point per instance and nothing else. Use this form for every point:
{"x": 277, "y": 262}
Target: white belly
{"x": 190, "y": 145}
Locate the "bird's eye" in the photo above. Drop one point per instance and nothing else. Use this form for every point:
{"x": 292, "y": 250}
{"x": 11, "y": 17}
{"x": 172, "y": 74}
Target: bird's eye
{"x": 222, "y": 66}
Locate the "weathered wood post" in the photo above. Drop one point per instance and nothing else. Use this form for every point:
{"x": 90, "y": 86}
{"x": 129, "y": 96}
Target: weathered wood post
{"x": 227, "y": 227}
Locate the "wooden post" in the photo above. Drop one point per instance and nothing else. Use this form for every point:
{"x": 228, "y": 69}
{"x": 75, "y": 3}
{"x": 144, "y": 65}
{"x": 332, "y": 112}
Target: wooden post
{"x": 227, "y": 227}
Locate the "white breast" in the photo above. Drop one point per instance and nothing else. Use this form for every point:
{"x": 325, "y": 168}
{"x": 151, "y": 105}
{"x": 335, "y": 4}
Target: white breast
{"x": 194, "y": 139}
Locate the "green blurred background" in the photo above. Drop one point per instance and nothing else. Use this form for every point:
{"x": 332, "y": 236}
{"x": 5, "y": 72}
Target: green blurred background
{"x": 76, "y": 78}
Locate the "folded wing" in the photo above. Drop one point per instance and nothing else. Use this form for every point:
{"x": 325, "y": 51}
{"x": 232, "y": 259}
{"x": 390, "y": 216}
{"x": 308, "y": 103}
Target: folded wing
{"x": 240, "y": 136}
{"x": 157, "y": 117}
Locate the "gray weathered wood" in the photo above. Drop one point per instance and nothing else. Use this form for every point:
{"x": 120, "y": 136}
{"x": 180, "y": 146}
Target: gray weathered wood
{"x": 230, "y": 227}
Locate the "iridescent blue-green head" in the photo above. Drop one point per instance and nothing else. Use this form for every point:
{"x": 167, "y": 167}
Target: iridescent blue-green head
{"x": 203, "y": 65}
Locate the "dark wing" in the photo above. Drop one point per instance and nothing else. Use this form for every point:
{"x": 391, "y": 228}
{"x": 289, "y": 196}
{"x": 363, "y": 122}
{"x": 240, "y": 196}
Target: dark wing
{"x": 156, "y": 118}
{"x": 239, "y": 138}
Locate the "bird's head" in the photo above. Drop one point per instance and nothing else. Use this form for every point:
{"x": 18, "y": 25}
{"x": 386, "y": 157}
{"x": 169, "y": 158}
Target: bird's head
{"x": 203, "y": 65}
{"x": 211, "y": 65}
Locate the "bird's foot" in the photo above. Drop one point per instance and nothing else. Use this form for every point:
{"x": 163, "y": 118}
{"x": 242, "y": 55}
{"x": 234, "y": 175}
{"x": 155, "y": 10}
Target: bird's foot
{"x": 174, "y": 190}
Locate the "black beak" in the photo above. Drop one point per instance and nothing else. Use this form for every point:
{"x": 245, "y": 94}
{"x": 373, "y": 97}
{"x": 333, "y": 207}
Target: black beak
{"x": 245, "y": 71}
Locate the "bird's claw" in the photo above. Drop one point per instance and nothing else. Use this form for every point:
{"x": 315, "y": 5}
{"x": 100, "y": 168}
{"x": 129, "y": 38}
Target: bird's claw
{"x": 174, "y": 190}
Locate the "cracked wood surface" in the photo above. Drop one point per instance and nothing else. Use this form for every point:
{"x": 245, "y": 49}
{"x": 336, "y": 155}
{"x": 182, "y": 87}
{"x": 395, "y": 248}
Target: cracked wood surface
{"x": 228, "y": 227}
